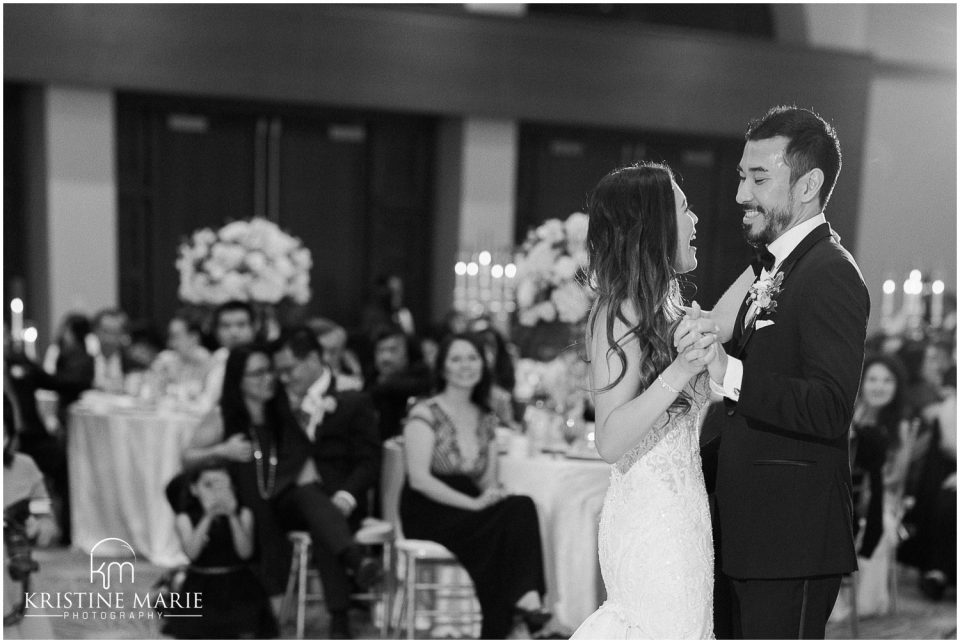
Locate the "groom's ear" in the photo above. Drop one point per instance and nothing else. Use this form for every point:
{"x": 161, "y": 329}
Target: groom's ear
{"x": 808, "y": 186}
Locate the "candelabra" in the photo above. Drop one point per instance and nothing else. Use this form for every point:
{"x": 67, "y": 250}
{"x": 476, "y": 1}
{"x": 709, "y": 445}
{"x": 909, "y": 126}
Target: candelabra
{"x": 484, "y": 286}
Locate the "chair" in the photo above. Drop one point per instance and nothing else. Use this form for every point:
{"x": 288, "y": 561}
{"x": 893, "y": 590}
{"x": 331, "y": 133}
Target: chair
{"x": 416, "y": 555}
{"x": 373, "y": 532}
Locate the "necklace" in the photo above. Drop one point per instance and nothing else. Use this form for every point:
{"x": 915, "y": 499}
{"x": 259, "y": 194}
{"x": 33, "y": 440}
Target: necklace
{"x": 265, "y": 489}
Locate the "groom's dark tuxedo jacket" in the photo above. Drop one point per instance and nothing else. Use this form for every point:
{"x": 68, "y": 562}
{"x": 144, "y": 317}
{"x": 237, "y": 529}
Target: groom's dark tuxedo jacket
{"x": 783, "y": 485}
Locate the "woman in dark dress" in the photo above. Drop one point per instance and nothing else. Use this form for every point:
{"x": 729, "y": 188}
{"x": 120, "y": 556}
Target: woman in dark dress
{"x": 255, "y": 431}
{"x": 452, "y": 495}
{"x": 217, "y": 535}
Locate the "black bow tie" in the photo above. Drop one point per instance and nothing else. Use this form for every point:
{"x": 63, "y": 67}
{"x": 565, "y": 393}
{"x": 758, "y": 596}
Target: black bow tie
{"x": 763, "y": 259}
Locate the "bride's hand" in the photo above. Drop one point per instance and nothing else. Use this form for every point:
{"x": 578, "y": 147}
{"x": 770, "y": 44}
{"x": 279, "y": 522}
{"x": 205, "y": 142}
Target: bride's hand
{"x": 694, "y": 328}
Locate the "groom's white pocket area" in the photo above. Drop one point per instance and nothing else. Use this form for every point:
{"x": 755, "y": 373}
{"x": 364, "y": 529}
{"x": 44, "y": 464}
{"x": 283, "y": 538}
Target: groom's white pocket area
{"x": 763, "y": 323}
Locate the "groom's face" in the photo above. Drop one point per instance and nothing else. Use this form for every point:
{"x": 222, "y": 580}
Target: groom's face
{"x": 765, "y": 191}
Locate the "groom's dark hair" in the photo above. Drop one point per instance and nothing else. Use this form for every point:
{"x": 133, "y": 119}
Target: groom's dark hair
{"x": 813, "y": 143}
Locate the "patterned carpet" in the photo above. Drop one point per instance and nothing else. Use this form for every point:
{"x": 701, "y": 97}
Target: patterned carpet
{"x": 68, "y": 570}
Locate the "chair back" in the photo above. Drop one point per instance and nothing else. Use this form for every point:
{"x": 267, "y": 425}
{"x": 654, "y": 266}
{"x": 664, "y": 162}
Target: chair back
{"x": 391, "y": 482}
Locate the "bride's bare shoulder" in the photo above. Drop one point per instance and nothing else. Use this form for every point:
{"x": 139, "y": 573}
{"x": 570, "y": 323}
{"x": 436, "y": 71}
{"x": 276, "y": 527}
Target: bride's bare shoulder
{"x": 623, "y": 324}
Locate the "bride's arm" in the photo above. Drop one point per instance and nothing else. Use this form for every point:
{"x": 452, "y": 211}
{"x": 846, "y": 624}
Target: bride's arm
{"x": 624, "y": 413}
{"x": 725, "y": 312}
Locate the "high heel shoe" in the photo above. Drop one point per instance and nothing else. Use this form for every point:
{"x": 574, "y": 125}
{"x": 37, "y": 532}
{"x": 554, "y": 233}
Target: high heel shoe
{"x": 534, "y": 619}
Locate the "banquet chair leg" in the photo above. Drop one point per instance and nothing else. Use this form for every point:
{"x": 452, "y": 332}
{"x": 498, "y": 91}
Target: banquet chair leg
{"x": 389, "y": 556}
{"x": 288, "y": 596}
{"x": 304, "y": 559}
{"x": 410, "y": 596}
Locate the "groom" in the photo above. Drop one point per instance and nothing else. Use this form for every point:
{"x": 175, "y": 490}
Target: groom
{"x": 789, "y": 382}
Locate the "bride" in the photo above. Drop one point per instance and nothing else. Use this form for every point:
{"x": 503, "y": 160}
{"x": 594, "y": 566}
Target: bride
{"x": 656, "y": 548}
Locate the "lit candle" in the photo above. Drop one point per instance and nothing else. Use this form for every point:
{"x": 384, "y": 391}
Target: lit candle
{"x": 889, "y": 289}
{"x": 16, "y": 319}
{"x": 472, "y": 271}
{"x": 936, "y": 303}
{"x": 30, "y": 343}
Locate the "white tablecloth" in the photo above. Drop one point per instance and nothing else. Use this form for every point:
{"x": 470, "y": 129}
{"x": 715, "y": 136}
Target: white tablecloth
{"x": 120, "y": 460}
{"x": 569, "y": 495}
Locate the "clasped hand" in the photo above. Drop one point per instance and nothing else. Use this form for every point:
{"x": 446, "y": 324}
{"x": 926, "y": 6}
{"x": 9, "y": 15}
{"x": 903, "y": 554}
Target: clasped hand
{"x": 696, "y": 340}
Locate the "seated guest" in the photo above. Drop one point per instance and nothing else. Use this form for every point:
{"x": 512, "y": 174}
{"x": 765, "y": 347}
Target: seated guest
{"x": 385, "y": 306}
{"x": 233, "y": 326}
{"x": 343, "y": 361}
{"x": 110, "y": 363}
{"x": 452, "y": 495}
{"x": 502, "y": 370}
{"x": 345, "y": 448}
{"x": 144, "y": 346}
{"x": 22, "y": 379}
{"x": 23, "y": 488}
{"x": 934, "y": 546}
{"x": 217, "y": 534}
{"x": 277, "y": 478}
{"x": 396, "y": 378}
{"x": 185, "y": 363}
{"x": 881, "y": 441}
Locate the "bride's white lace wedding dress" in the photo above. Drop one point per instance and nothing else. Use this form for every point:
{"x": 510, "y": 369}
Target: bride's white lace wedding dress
{"x": 656, "y": 547}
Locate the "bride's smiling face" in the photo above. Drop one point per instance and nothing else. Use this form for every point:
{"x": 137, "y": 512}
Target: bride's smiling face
{"x": 686, "y": 255}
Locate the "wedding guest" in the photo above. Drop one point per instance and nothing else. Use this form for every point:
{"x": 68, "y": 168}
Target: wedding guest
{"x": 46, "y": 445}
{"x": 110, "y": 328}
{"x": 185, "y": 363}
{"x": 385, "y": 306}
{"x": 23, "y": 487}
{"x": 881, "y": 440}
{"x": 452, "y": 494}
{"x": 344, "y": 444}
{"x": 144, "y": 346}
{"x": 934, "y": 516}
{"x": 217, "y": 535}
{"x": 502, "y": 370}
{"x": 398, "y": 375}
{"x": 341, "y": 359}
{"x": 233, "y": 326}
{"x": 271, "y": 464}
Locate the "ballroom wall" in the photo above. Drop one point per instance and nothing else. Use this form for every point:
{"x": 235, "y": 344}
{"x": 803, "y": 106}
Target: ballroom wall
{"x": 484, "y": 74}
{"x": 908, "y": 190}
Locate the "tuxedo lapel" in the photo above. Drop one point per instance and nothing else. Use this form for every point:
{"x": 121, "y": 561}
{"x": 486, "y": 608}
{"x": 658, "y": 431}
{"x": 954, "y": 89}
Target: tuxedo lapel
{"x": 742, "y": 335}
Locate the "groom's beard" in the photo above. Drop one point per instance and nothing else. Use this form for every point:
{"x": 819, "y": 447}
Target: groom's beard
{"x": 775, "y": 221}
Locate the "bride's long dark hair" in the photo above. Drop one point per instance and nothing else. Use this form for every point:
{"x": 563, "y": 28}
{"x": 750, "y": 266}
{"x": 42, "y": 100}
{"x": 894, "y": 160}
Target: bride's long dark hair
{"x": 632, "y": 246}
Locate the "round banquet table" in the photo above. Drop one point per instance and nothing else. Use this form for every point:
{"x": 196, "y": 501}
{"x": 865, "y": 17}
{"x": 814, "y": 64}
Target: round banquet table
{"x": 568, "y": 494}
{"x": 120, "y": 458}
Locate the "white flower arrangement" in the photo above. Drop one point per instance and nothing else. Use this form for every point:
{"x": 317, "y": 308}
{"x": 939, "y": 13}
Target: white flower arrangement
{"x": 550, "y": 272}
{"x": 251, "y": 260}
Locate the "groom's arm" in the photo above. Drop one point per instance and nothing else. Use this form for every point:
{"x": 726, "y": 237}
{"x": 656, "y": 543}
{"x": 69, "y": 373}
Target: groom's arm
{"x": 818, "y": 401}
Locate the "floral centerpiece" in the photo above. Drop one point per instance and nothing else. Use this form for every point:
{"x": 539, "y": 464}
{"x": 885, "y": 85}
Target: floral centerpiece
{"x": 251, "y": 261}
{"x": 550, "y": 273}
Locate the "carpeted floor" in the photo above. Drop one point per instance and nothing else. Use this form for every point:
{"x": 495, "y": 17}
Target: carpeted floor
{"x": 68, "y": 570}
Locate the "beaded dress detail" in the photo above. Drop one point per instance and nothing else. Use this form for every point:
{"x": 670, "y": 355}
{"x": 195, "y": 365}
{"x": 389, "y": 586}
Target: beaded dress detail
{"x": 655, "y": 541}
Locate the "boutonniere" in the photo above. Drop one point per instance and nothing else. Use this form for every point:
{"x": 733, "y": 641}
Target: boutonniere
{"x": 316, "y": 405}
{"x": 764, "y": 294}
{"x": 318, "y": 402}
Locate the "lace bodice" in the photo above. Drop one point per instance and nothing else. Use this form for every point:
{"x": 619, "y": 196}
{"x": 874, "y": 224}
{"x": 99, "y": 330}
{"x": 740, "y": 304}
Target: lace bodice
{"x": 655, "y": 541}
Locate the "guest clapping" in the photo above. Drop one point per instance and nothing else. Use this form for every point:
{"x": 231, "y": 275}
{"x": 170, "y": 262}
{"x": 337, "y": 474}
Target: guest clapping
{"x": 452, "y": 495}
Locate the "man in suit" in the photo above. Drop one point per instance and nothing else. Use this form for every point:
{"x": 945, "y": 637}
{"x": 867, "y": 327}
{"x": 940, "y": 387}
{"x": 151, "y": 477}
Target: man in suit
{"x": 399, "y": 375}
{"x": 345, "y": 448}
{"x": 110, "y": 327}
{"x": 783, "y": 490}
